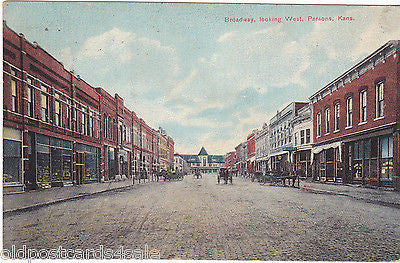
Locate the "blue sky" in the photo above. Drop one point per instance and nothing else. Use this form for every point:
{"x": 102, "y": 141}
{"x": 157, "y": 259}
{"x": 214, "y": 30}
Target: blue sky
{"x": 205, "y": 81}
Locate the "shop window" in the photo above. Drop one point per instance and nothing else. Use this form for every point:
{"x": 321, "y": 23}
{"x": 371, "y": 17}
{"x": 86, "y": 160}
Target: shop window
{"x": 14, "y": 96}
{"x": 11, "y": 161}
{"x": 379, "y": 99}
{"x": 386, "y": 162}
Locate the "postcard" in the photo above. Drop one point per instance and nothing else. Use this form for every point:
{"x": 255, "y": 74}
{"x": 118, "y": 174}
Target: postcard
{"x": 200, "y": 131}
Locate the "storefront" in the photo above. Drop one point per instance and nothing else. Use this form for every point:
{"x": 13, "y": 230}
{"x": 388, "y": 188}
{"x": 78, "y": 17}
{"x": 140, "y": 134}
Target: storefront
{"x": 53, "y": 161}
{"x": 111, "y": 163}
{"x": 12, "y": 160}
{"x": 280, "y": 162}
{"x": 327, "y": 162}
{"x": 88, "y": 158}
{"x": 370, "y": 160}
{"x": 303, "y": 163}
{"x": 123, "y": 157}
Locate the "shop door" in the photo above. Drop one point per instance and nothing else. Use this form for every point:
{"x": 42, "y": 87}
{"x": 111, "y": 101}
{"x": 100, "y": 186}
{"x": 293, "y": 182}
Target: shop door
{"x": 80, "y": 167}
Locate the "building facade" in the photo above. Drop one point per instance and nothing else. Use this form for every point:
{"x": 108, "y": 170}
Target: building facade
{"x": 241, "y": 159}
{"x": 262, "y": 149}
{"x": 303, "y": 140}
{"x": 230, "y": 161}
{"x": 281, "y": 137}
{"x": 59, "y": 130}
{"x": 356, "y": 122}
{"x": 203, "y": 162}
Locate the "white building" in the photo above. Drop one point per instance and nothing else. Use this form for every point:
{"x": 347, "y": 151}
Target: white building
{"x": 303, "y": 140}
{"x": 262, "y": 149}
{"x": 204, "y": 162}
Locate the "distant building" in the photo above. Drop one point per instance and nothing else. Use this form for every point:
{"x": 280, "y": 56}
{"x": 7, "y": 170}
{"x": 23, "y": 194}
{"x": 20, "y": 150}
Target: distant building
{"x": 179, "y": 163}
{"x": 262, "y": 149}
{"x": 281, "y": 137}
{"x": 204, "y": 162}
{"x": 303, "y": 139}
{"x": 241, "y": 158}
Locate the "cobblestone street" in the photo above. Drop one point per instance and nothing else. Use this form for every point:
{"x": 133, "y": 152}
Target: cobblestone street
{"x": 199, "y": 219}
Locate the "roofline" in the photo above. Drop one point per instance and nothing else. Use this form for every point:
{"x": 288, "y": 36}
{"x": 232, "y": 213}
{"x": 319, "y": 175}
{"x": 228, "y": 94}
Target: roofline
{"x": 383, "y": 47}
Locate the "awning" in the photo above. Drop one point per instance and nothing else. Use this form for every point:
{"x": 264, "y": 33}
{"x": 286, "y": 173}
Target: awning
{"x": 318, "y": 149}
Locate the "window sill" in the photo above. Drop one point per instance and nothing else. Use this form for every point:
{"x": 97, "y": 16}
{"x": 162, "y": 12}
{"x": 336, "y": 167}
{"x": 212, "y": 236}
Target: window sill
{"x": 336, "y": 131}
{"x": 348, "y": 127}
{"x": 379, "y": 118}
{"x": 327, "y": 133}
{"x": 362, "y": 123}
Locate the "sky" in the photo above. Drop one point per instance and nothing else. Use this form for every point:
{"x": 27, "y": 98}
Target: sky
{"x": 207, "y": 82}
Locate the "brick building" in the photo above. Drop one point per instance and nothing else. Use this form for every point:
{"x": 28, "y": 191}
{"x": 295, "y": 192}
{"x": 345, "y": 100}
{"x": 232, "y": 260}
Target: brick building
{"x": 251, "y": 151}
{"x": 59, "y": 130}
{"x": 230, "y": 160}
{"x": 356, "y": 122}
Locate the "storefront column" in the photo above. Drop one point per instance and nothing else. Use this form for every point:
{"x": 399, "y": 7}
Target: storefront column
{"x": 396, "y": 160}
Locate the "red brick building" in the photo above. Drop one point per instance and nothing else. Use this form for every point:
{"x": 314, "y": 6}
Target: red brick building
{"x": 59, "y": 130}
{"x": 230, "y": 160}
{"x": 251, "y": 151}
{"x": 356, "y": 122}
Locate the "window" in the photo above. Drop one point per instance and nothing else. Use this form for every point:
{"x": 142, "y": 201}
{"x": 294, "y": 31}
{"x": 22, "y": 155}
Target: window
{"x": 302, "y": 137}
{"x": 327, "y": 120}
{"x": 319, "y": 124}
{"x": 44, "y": 99}
{"x": 349, "y": 115}
{"x": 57, "y": 110}
{"x": 105, "y": 125}
{"x": 14, "y": 98}
{"x": 29, "y": 98}
{"x": 295, "y": 138}
{"x": 83, "y": 123}
{"x": 363, "y": 106}
{"x": 90, "y": 126}
{"x": 379, "y": 99}
{"x": 308, "y": 135}
{"x": 75, "y": 121}
{"x": 68, "y": 117}
{"x": 337, "y": 116}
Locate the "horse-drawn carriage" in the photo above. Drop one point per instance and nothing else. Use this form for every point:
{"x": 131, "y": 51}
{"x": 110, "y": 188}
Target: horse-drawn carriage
{"x": 225, "y": 175}
{"x": 172, "y": 176}
{"x": 276, "y": 177}
{"x": 197, "y": 175}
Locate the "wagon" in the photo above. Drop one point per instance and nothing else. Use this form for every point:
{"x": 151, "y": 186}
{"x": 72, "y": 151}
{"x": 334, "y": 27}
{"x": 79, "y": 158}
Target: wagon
{"x": 225, "y": 175}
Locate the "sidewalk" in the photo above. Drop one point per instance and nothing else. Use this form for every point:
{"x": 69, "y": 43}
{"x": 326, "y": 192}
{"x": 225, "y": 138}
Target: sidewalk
{"x": 37, "y": 198}
{"x": 387, "y": 197}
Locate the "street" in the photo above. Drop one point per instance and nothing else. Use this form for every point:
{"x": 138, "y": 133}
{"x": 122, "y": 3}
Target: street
{"x": 199, "y": 219}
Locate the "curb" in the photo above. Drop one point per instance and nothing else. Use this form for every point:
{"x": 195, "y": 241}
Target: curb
{"x": 367, "y": 200}
{"x": 75, "y": 197}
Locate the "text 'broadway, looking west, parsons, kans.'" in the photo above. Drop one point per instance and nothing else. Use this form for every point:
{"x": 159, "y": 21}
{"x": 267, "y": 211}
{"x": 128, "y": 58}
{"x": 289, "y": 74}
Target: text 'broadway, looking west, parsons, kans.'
{"x": 289, "y": 19}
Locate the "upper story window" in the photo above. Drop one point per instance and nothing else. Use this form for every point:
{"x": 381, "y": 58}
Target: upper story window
{"x": 363, "y": 106}
{"x": 44, "y": 101}
{"x": 83, "y": 123}
{"x": 327, "y": 120}
{"x": 318, "y": 124}
{"x": 14, "y": 96}
{"x": 57, "y": 112}
{"x": 302, "y": 137}
{"x": 29, "y": 97}
{"x": 308, "y": 135}
{"x": 337, "y": 116}
{"x": 105, "y": 126}
{"x": 380, "y": 99}
{"x": 349, "y": 112}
